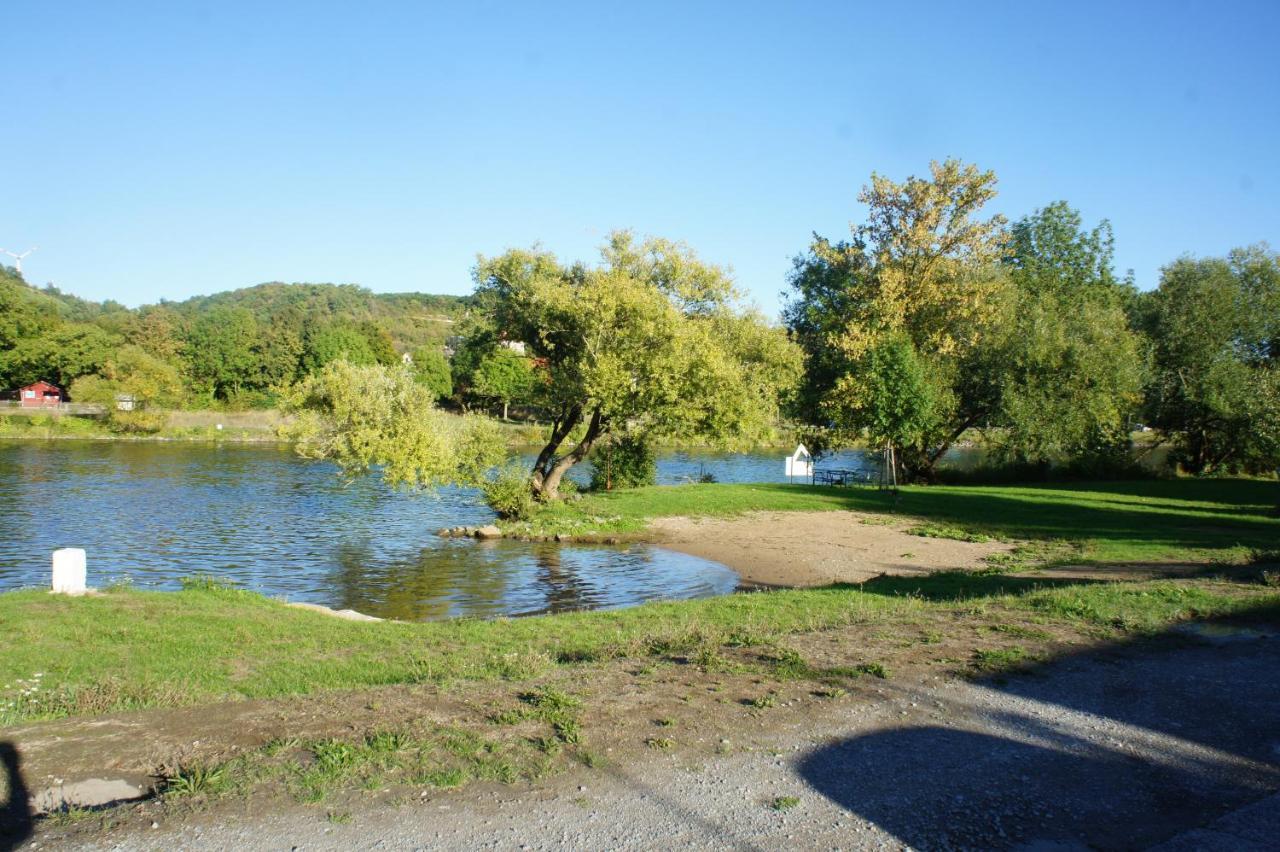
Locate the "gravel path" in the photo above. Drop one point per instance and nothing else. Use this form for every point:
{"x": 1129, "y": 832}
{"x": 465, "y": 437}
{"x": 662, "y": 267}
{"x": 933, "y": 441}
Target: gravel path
{"x": 1134, "y": 749}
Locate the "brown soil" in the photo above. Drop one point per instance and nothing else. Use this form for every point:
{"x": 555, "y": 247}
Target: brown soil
{"x": 818, "y": 548}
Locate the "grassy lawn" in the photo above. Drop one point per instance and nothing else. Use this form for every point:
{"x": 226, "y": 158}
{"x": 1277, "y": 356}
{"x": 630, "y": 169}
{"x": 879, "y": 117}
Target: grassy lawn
{"x": 1191, "y": 520}
{"x": 130, "y": 649}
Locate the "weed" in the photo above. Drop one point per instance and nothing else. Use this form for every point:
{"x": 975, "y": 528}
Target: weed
{"x": 664, "y": 723}
{"x": 784, "y": 803}
{"x": 551, "y": 700}
{"x": 936, "y": 530}
{"x": 660, "y": 743}
{"x": 764, "y": 702}
{"x": 197, "y": 779}
{"x": 445, "y": 779}
{"x": 338, "y": 817}
{"x": 789, "y": 665}
{"x": 995, "y": 659}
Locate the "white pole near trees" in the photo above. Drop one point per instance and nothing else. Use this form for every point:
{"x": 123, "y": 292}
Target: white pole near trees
{"x": 17, "y": 258}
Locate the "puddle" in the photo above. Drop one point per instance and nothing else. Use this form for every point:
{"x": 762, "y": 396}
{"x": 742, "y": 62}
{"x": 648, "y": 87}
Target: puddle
{"x": 91, "y": 793}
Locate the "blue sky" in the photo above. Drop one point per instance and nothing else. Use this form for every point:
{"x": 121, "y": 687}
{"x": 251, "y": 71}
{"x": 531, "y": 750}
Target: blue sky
{"x": 169, "y": 149}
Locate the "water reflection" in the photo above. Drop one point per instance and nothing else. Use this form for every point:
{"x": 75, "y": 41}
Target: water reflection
{"x": 152, "y": 513}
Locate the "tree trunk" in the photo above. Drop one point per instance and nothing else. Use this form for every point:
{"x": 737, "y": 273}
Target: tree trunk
{"x": 550, "y": 486}
{"x": 504, "y": 410}
{"x": 560, "y": 429}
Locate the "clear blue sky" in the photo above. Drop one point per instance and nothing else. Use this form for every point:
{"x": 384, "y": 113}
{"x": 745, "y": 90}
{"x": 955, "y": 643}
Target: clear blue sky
{"x": 168, "y": 149}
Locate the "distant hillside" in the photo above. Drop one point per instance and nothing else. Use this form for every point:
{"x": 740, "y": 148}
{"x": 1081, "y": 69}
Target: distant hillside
{"x": 233, "y": 346}
{"x": 412, "y": 319}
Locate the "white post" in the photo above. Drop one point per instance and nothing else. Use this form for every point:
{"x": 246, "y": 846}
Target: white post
{"x": 69, "y": 571}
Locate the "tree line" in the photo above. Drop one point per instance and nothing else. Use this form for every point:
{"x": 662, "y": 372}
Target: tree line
{"x": 234, "y": 349}
{"x": 933, "y": 320}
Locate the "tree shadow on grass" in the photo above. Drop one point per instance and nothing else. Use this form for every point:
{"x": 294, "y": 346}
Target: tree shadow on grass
{"x": 15, "y": 810}
{"x": 1064, "y": 513}
{"x": 1120, "y": 749}
{"x": 958, "y": 585}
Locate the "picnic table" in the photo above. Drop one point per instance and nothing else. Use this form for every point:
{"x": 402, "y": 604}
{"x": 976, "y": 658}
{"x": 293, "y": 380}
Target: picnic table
{"x": 842, "y": 476}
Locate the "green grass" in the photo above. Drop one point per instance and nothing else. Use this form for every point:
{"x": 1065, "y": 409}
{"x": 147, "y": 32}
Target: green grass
{"x": 1190, "y": 520}
{"x": 181, "y": 648}
{"x": 439, "y": 756}
{"x": 132, "y": 649}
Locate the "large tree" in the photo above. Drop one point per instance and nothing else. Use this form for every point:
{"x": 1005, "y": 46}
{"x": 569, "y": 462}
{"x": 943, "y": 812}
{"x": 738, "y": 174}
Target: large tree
{"x": 222, "y": 352}
{"x": 504, "y": 377}
{"x": 650, "y": 342}
{"x": 1069, "y": 372}
{"x": 1215, "y": 324}
{"x": 902, "y": 308}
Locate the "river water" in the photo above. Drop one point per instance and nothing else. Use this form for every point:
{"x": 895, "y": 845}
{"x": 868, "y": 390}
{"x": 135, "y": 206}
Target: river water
{"x": 150, "y": 513}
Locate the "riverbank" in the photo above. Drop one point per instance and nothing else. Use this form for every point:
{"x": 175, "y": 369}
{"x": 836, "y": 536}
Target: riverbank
{"x": 246, "y": 707}
{"x": 1144, "y": 523}
{"x": 219, "y": 693}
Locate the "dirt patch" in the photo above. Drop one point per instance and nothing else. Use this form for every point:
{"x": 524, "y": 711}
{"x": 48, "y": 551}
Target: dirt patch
{"x": 818, "y": 548}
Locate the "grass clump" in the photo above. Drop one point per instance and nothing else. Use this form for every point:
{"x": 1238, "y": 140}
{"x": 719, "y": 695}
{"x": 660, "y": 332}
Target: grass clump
{"x": 784, "y": 803}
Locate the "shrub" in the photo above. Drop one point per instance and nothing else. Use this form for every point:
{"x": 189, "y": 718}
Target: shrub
{"x": 627, "y": 462}
{"x": 508, "y": 493}
{"x": 138, "y": 422}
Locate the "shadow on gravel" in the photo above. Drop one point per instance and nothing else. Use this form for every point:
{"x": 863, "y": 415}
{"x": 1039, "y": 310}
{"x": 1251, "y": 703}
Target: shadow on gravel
{"x": 1117, "y": 749}
{"x": 15, "y": 811}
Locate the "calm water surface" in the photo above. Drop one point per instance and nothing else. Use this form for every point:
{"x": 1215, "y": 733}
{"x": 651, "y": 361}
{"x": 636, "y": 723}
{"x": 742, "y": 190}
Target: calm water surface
{"x": 151, "y": 513}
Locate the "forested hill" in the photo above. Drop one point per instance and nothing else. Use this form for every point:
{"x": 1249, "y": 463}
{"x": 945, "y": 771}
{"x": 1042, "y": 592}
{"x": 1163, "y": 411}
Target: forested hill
{"x": 411, "y": 319}
{"x": 231, "y": 346}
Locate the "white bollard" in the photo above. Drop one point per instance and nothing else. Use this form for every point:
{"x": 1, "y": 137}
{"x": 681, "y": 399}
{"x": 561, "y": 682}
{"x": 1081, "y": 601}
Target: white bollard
{"x": 69, "y": 571}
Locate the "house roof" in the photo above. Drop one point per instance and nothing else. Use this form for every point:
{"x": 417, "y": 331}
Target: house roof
{"x": 41, "y": 384}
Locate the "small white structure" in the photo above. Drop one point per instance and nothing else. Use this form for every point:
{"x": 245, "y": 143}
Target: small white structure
{"x": 800, "y": 463}
{"x": 69, "y": 571}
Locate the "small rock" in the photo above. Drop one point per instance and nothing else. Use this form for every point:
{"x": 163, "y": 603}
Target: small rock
{"x": 488, "y": 531}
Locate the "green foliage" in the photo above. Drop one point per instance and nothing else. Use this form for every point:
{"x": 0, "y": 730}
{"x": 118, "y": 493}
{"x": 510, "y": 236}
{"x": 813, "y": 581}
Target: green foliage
{"x": 930, "y": 322}
{"x": 336, "y": 343}
{"x": 1069, "y": 371}
{"x": 893, "y": 318}
{"x": 431, "y": 368}
{"x": 1215, "y": 325}
{"x": 504, "y": 377}
{"x": 220, "y": 352}
{"x": 627, "y": 461}
{"x": 366, "y": 417}
{"x": 508, "y": 493}
{"x": 898, "y": 406}
{"x": 652, "y": 339}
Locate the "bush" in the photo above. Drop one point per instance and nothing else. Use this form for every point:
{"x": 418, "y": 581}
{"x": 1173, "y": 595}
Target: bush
{"x": 138, "y": 422}
{"x": 509, "y": 494}
{"x": 628, "y": 462}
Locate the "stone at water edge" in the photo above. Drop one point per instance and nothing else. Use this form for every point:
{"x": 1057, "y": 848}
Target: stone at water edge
{"x": 69, "y": 571}
{"x": 489, "y": 531}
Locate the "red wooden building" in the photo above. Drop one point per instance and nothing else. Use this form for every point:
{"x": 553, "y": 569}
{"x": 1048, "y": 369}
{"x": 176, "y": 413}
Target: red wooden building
{"x": 40, "y": 395}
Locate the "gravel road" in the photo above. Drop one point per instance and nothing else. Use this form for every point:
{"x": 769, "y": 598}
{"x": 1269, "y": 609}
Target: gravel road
{"x": 1135, "y": 748}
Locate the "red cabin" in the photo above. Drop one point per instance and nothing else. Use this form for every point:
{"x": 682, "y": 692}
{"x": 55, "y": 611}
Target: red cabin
{"x": 40, "y": 395}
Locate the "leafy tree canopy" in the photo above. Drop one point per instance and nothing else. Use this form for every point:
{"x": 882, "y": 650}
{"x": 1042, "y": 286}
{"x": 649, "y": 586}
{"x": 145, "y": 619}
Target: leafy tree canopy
{"x": 1215, "y": 325}
{"x": 366, "y": 417}
{"x": 650, "y": 341}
